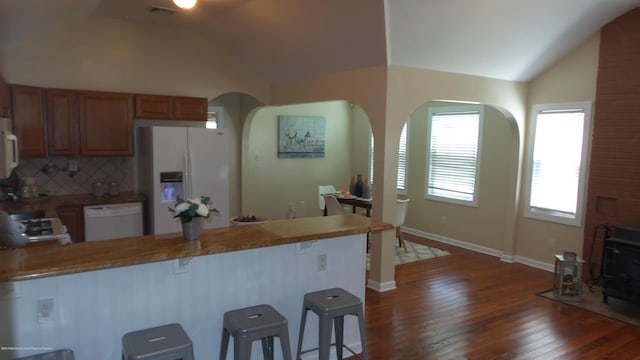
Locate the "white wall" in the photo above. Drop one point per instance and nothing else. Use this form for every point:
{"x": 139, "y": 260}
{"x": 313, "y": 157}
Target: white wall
{"x": 93, "y": 310}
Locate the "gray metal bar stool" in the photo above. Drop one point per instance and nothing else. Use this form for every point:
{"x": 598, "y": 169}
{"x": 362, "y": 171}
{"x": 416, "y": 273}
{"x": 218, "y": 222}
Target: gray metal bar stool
{"x": 331, "y": 306}
{"x": 166, "y": 342}
{"x": 260, "y": 322}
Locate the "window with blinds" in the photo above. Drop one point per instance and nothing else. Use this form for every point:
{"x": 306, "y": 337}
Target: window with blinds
{"x": 453, "y": 154}
{"x": 401, "y": 182}
{"x": 557, "y": 152}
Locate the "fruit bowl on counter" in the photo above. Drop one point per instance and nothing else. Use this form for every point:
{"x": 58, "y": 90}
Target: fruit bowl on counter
{"x": 249, "y": 220}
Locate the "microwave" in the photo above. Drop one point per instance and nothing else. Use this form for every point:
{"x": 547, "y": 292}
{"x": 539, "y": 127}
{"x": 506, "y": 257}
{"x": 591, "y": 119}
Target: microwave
{"x": 9, "y": 146}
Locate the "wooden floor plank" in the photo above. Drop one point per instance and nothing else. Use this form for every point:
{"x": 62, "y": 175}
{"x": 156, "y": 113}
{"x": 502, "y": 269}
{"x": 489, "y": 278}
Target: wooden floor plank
{"x": 473, "y": 306}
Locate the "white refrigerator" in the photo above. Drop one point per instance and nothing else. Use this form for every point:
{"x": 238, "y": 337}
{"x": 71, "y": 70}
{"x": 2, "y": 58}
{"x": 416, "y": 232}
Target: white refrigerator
{"x": 186, "y": 161}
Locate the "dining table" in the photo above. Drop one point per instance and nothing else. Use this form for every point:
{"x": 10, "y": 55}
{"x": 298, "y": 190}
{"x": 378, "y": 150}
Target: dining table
{"x": 356, "y": 202}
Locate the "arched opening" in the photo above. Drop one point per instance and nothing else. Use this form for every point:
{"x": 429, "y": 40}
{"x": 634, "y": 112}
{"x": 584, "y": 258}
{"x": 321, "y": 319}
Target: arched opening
{"x": 485, "y": 226}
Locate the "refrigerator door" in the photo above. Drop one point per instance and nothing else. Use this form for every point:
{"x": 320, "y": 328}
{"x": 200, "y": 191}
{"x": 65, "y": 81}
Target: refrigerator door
{"x": 163, "y": 149}
{"x": 201, "y": 155}
{"x": 208, "y": 168}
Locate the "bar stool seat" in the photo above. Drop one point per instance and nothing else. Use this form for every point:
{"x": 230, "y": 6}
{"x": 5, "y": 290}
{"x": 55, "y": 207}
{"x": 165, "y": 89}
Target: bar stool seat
{"x": 260, "y": 322}
{"x": 331, "y": 306}
{"x": 166, "y": 342}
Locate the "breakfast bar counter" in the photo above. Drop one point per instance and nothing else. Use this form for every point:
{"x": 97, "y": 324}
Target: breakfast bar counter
{"x": 34, "y": 262}
{"x": 96, "y": 292}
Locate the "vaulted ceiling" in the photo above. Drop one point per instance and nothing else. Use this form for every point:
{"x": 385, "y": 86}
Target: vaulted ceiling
{"x": 286, "y": 40}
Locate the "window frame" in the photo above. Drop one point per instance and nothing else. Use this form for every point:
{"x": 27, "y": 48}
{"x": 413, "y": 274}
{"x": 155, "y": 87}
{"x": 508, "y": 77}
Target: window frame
{"x": 451, "y": 110}
{"x": 551, "y": 215}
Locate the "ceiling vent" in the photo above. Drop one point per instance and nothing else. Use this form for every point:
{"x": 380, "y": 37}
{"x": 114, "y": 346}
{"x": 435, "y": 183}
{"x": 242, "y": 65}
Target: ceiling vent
{"x": 161, "y": 10}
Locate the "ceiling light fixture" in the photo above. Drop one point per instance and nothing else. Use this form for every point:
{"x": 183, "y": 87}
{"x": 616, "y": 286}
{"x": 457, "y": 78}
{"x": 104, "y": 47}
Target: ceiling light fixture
{"x": 185, "y": 4}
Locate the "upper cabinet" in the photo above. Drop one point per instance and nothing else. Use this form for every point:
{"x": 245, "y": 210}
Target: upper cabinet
{"x": 28, "y": 120}
{"x": 62, "y": 122}
{"x": 186, "y": 108}
{"x": 5, "y": 99}
{"x": 171, "y": 108}
{"x": 106, "y": 123}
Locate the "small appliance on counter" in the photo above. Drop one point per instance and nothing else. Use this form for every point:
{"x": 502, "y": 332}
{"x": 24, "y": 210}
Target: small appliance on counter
{"x": 9, "y": 146}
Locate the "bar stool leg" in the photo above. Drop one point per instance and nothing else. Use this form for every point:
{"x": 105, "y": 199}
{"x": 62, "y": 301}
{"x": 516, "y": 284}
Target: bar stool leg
{"x": 324, "y": 346}
{"x": 363, "y": 335}
{"x": 303, "y": 320}
{"x": 267, "y": 347}
{"x": 338, "y": 323}
{"x": 241, "y": 349}
{"x": 285, "y": 345}
{"x": 224, "y": 344}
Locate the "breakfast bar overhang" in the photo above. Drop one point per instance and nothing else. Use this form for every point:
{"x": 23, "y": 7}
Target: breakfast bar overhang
{"x": 102, "y": 290}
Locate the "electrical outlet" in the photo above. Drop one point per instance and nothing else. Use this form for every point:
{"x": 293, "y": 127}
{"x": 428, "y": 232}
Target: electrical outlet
{"x": 551, "y": 243}
{"x": 322, "y": 262}
{"x": 301, "y": 204}
{"x": 73, "y": 165}
{"x": 44, "y": 310}
{"x": 181, "y": 266}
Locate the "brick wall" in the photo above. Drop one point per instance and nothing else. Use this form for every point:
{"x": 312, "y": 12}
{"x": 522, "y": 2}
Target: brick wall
{"x": 613, "y": 195}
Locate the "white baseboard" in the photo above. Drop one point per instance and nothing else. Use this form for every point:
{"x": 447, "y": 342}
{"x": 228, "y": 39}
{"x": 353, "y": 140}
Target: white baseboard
{"x": 481, "y": 249}
{"x": 381, "y": 287}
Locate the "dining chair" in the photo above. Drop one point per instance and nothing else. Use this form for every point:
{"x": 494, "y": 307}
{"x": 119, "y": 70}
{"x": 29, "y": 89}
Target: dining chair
{"x": 333, "y": 206}
{"x": 324, "y": 189}
{"x": 401, "y": 214}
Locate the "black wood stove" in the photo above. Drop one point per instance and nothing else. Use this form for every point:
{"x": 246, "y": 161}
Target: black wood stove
{"x": 621, "y": 265}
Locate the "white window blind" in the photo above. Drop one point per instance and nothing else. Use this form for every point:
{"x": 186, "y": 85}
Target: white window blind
{"x": 401, "y": 183}
{"x": 371, "y": 158}
{"x": 453, "y": 155}
{"x": 556, "y": 162}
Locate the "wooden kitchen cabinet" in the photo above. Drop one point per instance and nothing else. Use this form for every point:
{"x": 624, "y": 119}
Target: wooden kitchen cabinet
{"x": 160, "y": 107}
{"x": 154, "y": 107}
{"x": 5, "y": 99}
{"x": 62, "y": 122}
{"x": 73, "y": 218}
{"x": 186, "y": 108}
{"x": 28, "y": 120}
{"x": 106, "y": 123}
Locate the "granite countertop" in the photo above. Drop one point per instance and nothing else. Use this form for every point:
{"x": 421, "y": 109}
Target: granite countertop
{"x": 34, "y": 262}
{"x": 50, "y": 203}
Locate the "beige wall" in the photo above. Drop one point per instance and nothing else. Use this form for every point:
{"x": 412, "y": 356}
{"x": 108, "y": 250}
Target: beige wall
{"x": 270, "y": 185}
{"x": 571, "y": 79}
{"x": 116, "y": 55}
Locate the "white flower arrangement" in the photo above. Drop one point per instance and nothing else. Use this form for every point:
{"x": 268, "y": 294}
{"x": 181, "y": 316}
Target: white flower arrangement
{"x": 187, "y": 209}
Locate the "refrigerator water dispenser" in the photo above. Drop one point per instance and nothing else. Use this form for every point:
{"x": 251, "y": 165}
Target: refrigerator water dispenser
{"x": 171, "y": 185}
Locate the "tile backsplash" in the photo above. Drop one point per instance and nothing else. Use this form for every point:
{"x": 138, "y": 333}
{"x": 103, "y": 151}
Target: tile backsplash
{"x": 55, "y": 178}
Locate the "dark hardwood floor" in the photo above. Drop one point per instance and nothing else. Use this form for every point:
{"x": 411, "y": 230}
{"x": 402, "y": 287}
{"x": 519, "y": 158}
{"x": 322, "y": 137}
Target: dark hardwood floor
{"x": 473, "y": 306}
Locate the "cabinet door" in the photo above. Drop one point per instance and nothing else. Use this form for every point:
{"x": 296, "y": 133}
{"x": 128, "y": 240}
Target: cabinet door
{"x": 5, "y": 100}
{"x": 62, "y": 122}
{"x": 28, "y": 120}
{"x": 154, "y": 107}
{"x": 188, "y": 108}
{"x": 73, "y": 219}
{"x": 106, "y": 124}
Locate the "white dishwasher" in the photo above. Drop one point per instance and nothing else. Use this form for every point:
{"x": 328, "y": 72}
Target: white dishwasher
{"x": 113, "y": 221}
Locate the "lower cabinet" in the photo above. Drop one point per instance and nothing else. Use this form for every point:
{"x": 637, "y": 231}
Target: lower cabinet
{"x": 73, "y": 218}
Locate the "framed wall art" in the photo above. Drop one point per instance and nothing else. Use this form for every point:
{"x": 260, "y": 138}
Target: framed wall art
{"x": 301, "y": 136}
